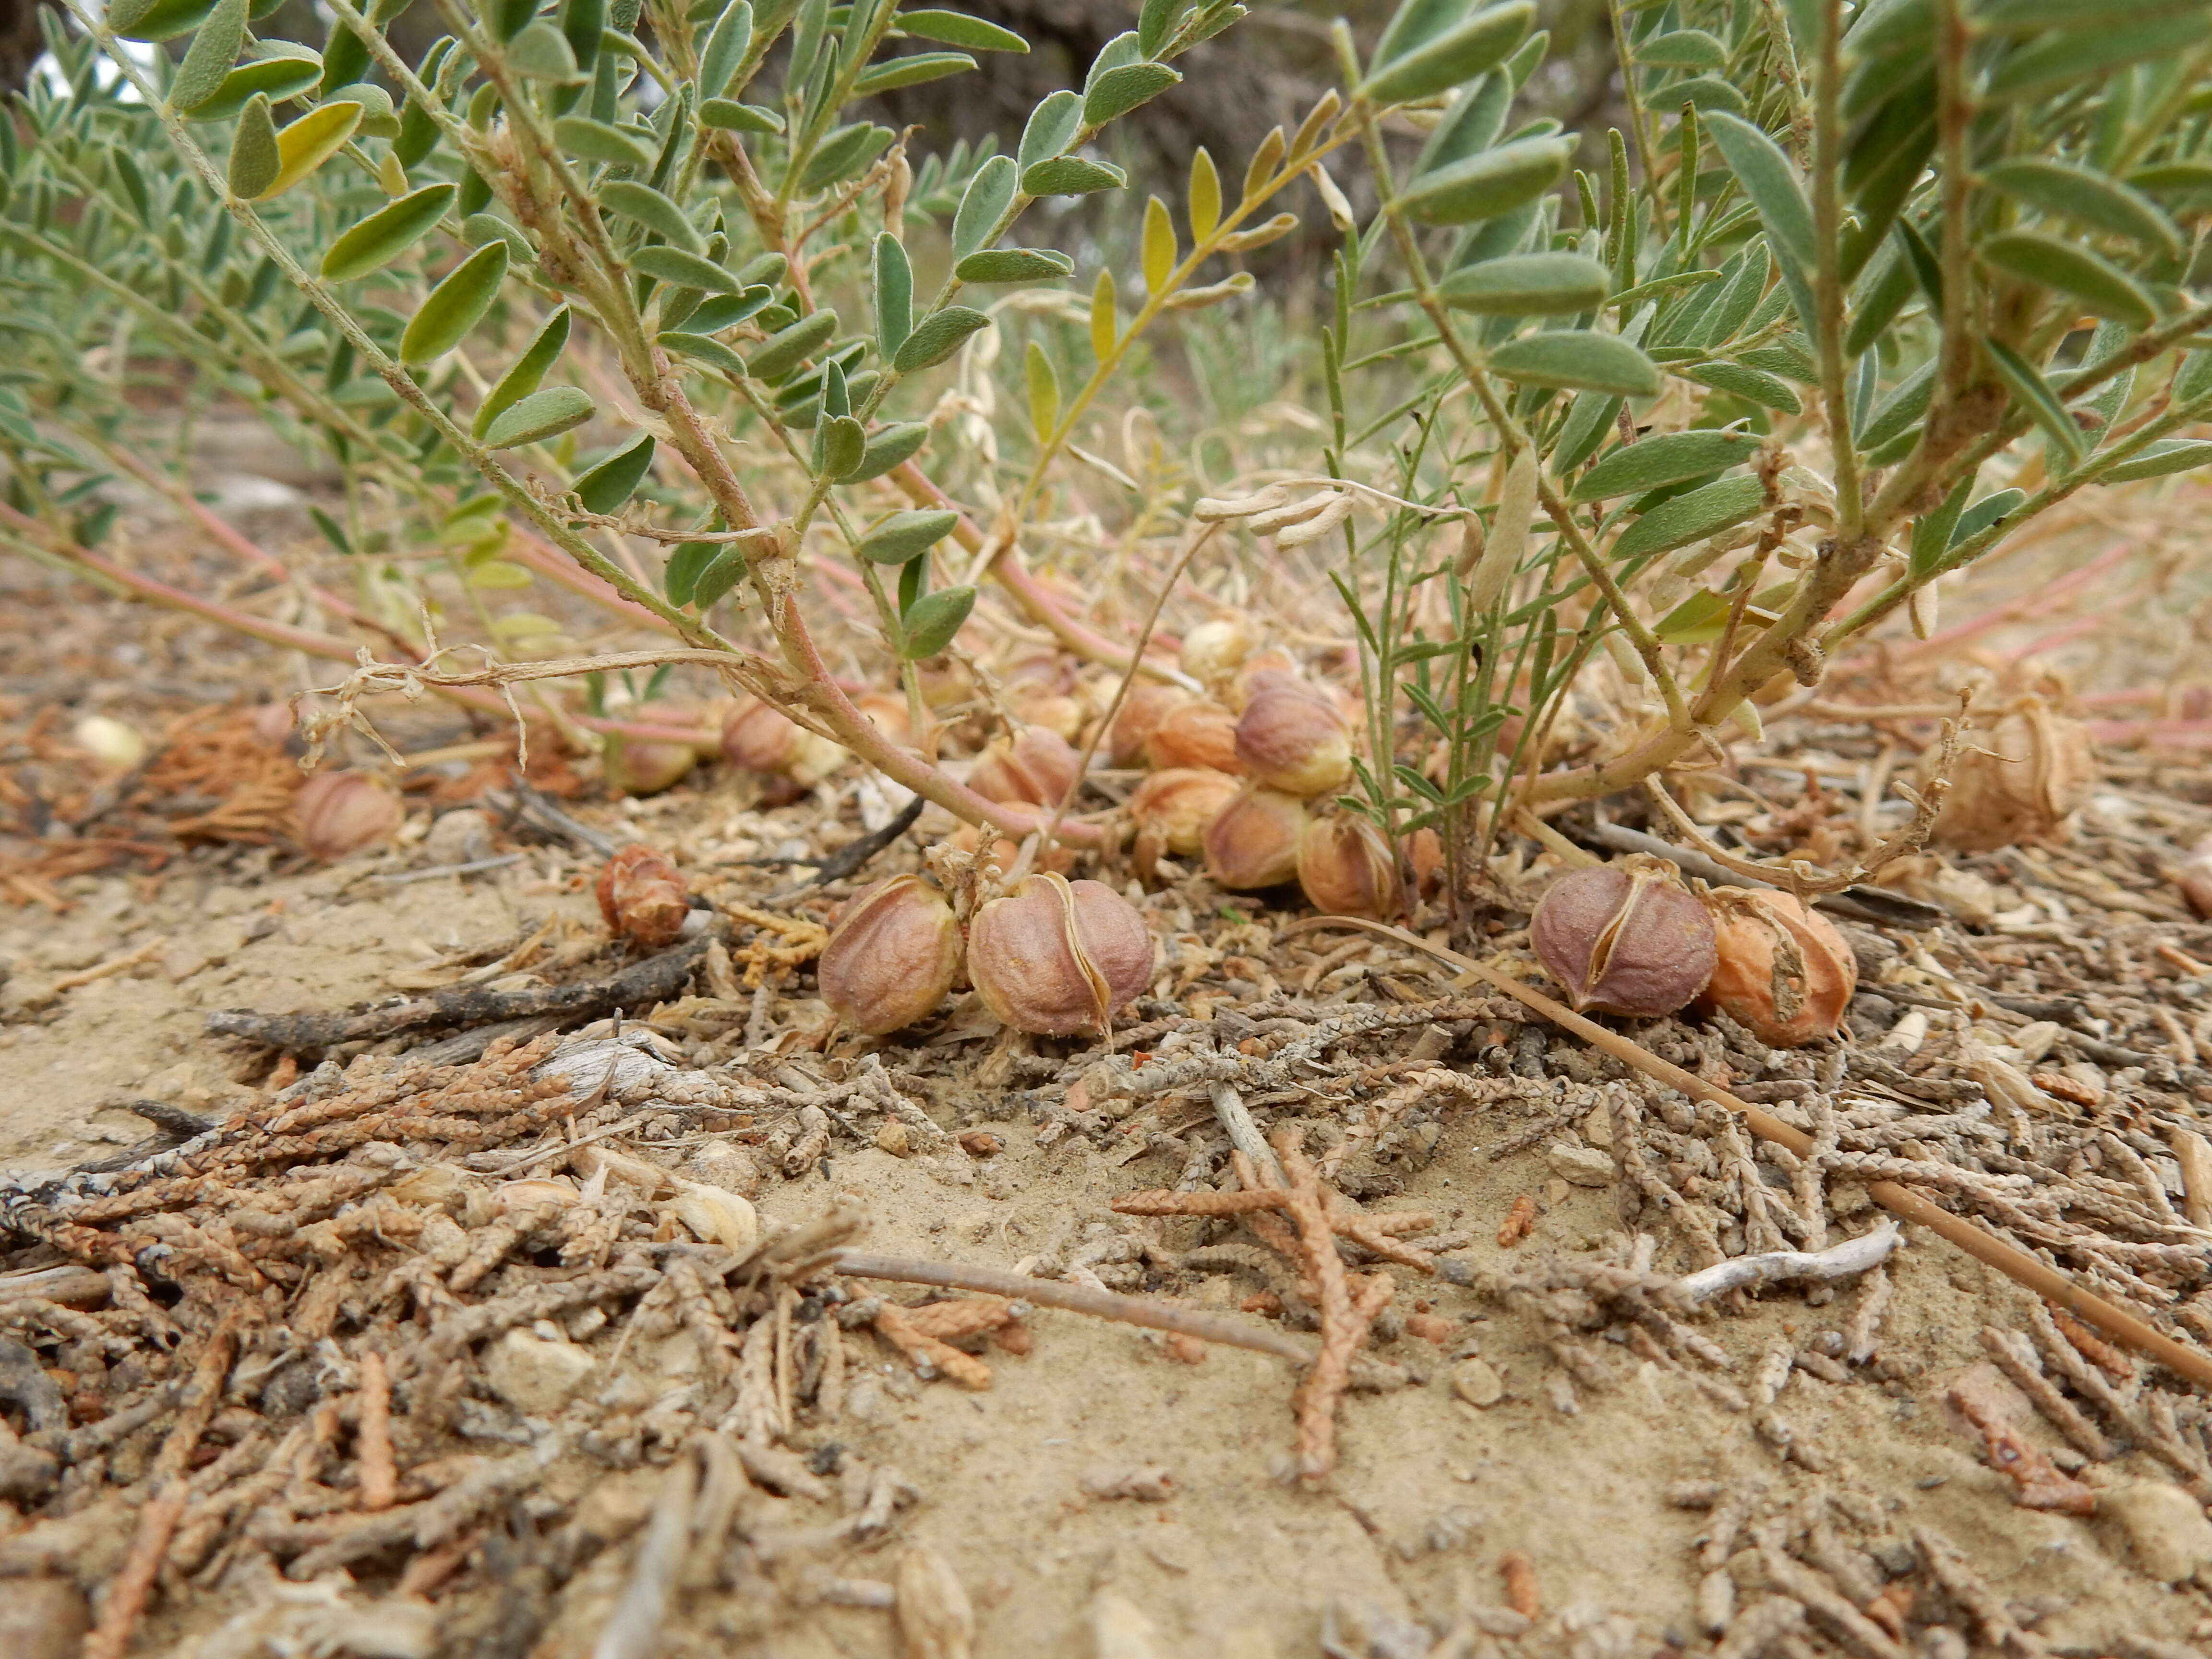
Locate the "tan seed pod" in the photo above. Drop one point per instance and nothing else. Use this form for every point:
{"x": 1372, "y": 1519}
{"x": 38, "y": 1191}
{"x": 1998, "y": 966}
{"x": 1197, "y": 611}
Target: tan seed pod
{"x": 2018, "y": 782}
{"x": 1036, "y": 768}
{"x": 1344, "y": 867}
{"x": 1147, "y": 704}
{"x": 1214, "y": 650}
{"x": 643, "y": 896}
{"x": 643, "y": 766}
{"x": 1781, "y": 970}
{"x": 1058, "y": 957}
{"x": 2194, "y": 878}
{"x": 935, "y": 1617}
{"x": 894, "y": 955}
{"x": 1253, "y": 843}
{"x": 1171, "y": 809}
{"x": 1624, "y": 939}
{"x": 757, "y": 737}
{"x": 341, "y": 812}
{"x": 1291, "y": 737}
{"x": 1196, "y": 734}
{"x": 887, "y": 714}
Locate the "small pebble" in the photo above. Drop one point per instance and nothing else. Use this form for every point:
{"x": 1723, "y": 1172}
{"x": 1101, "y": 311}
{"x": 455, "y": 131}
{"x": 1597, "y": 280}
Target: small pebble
{"x": 1477, "y": 1382}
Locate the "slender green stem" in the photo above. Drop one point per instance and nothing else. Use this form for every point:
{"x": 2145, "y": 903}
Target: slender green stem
{"x": 1828, "y": 277}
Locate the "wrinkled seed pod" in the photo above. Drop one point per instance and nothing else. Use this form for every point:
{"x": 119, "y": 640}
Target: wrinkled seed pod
{"x": 1292, "y": 738}
{"x": 644, "y": 766}
{"x": 1624, "y": 939}
{"x": 341, "y": 812}
{"x": 887, "y": 714}
{"x": 894, "y": 955}
{"x": 641, "y": 896}
{"x": 1425, "y": 852}
{"x": 1253, "y": 843}
{"x": 1214, "y": 651}
{"x": 1344, "y": 867}
{"x": 1055, "y": 711}
{"x": 1142, "y": 710}
{"x": 109, "y": 741}
{"x": 2195, "y": 878}
{"x": 1057, "y": 958}
{"x": 1255, "y": 672}
{"x": 1036, "y": 768}
{"x": 2017, "y": 781}
{"x": 1780, "y": 968}
{"x": 1201, "y": 734}
{"x": 1170, "y": 810}
{"x": 758, "y": 738}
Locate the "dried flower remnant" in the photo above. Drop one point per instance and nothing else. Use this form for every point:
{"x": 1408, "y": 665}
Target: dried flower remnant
{"x": 1781, "y": 968}
{"x": 1624, "y": 939}
{"x": 893, "y": 956}
{"x": 1057, "y": 958}
{"x": 1291, "y": 737}
{"x": 641, "y": 896}
{"x": 2019, "y": 781}
{"x": 341, "y": 812}
{"x": 1253, "y": 843}
{"x": 1345, "y": 867}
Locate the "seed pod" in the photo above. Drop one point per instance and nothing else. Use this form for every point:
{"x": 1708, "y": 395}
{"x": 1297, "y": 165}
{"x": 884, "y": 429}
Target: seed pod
{"x": 1214, "y": 650}
{"x": 640, "y": 766}
{"x": 2195, "y": 878}
{"x": 341, "y": 812}
{"x": 1055, "y": 711}
{"x": 1057, "y": 958}
{"x": 1624, "y": 939}
{"x": 1196, "y": 734}
{"x": 894, "y": 955}
{"x": 1257, "y": 670}
{"x": 641, "y": 896}
{"x": 2017, "y": 782}
{"x": 1171, "y": 810}
{"x": 1344, "y": 867}
{"x": 1147, "y": 704}
{"x": 1036, "y": 768}
{"x": 1782, "y": 970}
{"x": 757, "y": 737}
{"x": 1292, "y": 738}
{"x": 1253, "y": 843}
{"x": 887, "y": 714}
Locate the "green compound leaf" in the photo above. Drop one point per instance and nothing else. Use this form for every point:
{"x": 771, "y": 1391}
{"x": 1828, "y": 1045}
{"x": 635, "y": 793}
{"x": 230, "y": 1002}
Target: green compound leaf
{"x": 378, "y": 240}
{"x": 936, "y": 337}
{"x": 983, "y": 205}
{"x": 724, "y": 51}
{"x": 1579, "y": 360}
{"x": 455, "y": 305}
{"x": 1770, "y": 181}
{"x": 893, "y": 294}
{"x": 614, "y": 480}
{"x": 542, "y": 415}
{"x": 1691, "y": 517}
{"x": 286, "y": 73}
{"x": 905, "y": 536}
{"x": 1672, "y": 458}
{"x": 700, "y": 349}
{"x": 2086, "y": 197}
{"x": 1051, "y": 128}
{"x": 2034, "y": 396}
{"x": 840, "y": 444}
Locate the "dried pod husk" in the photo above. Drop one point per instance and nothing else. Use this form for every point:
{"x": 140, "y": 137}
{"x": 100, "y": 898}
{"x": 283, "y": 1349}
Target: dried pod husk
{"x": 646, "y": 766}
{"x": 1344, "y": 867}
{"x": 1214, "y": 651}
{"x": 109, "y": 741}
{"x": 1147, "y": 704}
{"x": 1058, "y": 957}
{"x": 513, "y": 1197}
{"x": 641, "y": 896}
{"x": 1196, "y": 734}
{"x": 894, "y": 955}
{"x": 2194, "y": 878}
{"x": 1003, "y": 851}
{"x": 343, "y": 812}
{"x": 1254, "y": 673}
{"x": 2017, "y": 781}
{"x": 1171, "y": 809}
{"x": 1780, "y": 968}
{"x": 1036, "y": 768}
{"x": 1624, "y": 939}
{"x": 758, "y": 737}
{"x": 1055, "y": 711}
{"x": 716, "y": 1215}
{"x": 887, "y": 714}
{"x": 1425, "y": 852}
{"x": 1291, "y": 737}
{"x": 1253, "y": 843}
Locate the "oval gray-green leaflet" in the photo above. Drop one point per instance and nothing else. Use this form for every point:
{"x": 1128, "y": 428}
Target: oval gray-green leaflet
{"x": 722, "y": 573}
{"x": 455, "y": 305}
{"x": 655, "y": 211}
{"x": 1071, "y": 175}
{"x": 2157, "y": 460}
{"x": 672, "y": 265}
{"x": 1740, "y": 380}
{"x": 700, "y": 348}
{"x": 839, "y": 442}
{"x": 892, "y": 447}
{"x": 616, "y": 479}
{"x": 844, "y": 154}
{"x": 911, "y": 71}
{"x": 1691, "y": 517}
{"x": 208, "y": 60}
{"x": 284, "y": 71}
{"x": 725, "y": 50}
{"x": 1051, "y": 128}
{"x": 958, "y": 28}
{"x": 2087, "y": 197}
{"x": 905, "y": 536}
{"x": 983, "y": 204}
{"x": 542, "y": 415}
{"x": 602, "y": 141}
{"x": 1014, "y": 265}
{"x": 1486, "y": 185}
{"x": 1708, "y": 92}
{"x": 1690, "y": 49}
{"x": 542, "y": 53}
{"x": 1671, "y": 457}
{"x": 254, "y": 160}
{"x": 784, "y": 351}
{"x": 936, "y": 337}
{"x": 1527, "y": 285}
{"x": 1579, "y": 360}
{"x": 1115, "y": 93}
{"x": 728, "y": 115}
{"x": 378, "y": 240}
{"x": 893, "y": 294}
{"x": 519, "y": 381}
{"x": 931, "y": 621}
{"x": 1470, "y": 48}
{"x": 686, "y": 561}
{"x": 2097, "y": 285}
